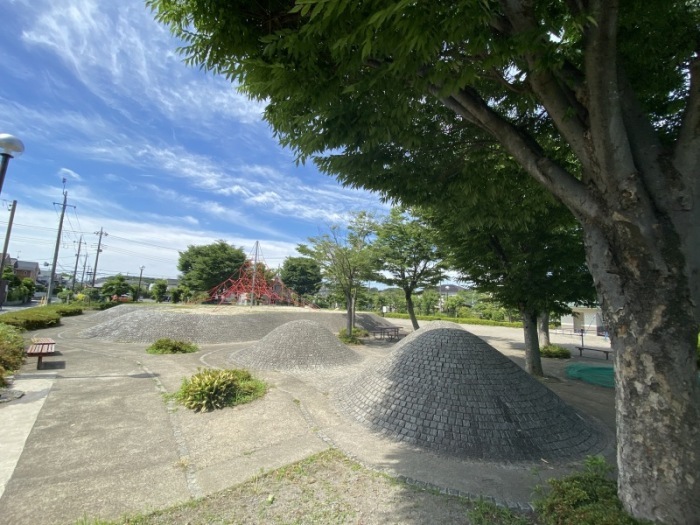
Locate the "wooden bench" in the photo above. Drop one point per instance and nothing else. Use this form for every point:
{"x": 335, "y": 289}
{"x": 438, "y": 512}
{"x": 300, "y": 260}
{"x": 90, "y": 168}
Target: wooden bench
{"x": 40, "y": 347}
{"x": 582, "y": 348}
{"x": 388, "y": 332}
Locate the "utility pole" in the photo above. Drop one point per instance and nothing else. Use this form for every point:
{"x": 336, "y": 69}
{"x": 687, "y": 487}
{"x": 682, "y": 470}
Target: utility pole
{"x": 7, "y": 236}
{"x": 97, "y": 255}
{"x": 3, "y": 282}
{"x": 138, "y": 294}
{"x": 58, "y": 244}
{"x": 82, "y": 279}
{"x": 77, "y": 259}
{"x": 255, "y": 271}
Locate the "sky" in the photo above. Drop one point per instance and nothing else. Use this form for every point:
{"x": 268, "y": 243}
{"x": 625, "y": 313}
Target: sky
{"x": 158, "y": 155}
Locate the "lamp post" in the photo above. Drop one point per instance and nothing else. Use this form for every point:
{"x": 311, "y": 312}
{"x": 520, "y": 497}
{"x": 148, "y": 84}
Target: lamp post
{"x": 10, "y": 147}
{"x": 138, "y": 293}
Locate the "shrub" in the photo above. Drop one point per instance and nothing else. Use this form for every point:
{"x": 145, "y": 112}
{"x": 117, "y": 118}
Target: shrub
{"x": 171, "y": 346}
{"x": 555, "y": 351}
{"x": 106, "y": 305}
{"x": 487, "y": 513}
{"x": 459, "y": 320}
{"x": 210, "y": 388}
{"x": 3, "y": 381}
{"x": 66, "y": 310}
{"x": 584, "y": 498}
{"x": 11, "y": 349}
{"x": 353, "y": 339}
{"x": 32, "y": 318}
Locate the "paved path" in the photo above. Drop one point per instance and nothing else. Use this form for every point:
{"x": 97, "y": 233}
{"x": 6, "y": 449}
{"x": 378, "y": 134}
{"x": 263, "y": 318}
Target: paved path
{"x": 95, "y": 437}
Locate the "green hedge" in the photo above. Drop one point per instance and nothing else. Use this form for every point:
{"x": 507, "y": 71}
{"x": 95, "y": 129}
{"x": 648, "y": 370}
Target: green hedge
{"x": 32, "y": 318}
{"x": 459, "y": 320}
{"x": 11, "y": 350}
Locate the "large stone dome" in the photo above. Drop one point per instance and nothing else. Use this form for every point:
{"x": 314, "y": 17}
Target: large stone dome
{"x": 445, "y": 389}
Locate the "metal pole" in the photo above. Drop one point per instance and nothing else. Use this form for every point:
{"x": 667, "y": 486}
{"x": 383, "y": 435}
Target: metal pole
{"x": 3, "y": 167}
{"x": 58, "y": 245}
{"x": 7, "y": 236}
{"x": 77, "y": 259}
{"x": 138, "y": 293}
{"x": 255, "y": 271}
{"x": 97, "y": 256}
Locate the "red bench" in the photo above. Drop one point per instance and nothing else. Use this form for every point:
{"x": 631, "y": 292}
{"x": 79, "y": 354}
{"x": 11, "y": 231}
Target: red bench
{"x": 40, "y": 347}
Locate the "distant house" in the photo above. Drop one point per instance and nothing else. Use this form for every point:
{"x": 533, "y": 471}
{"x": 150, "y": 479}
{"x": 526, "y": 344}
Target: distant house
{"x": 27, "y": 269}
{"x": 588, "y": 320}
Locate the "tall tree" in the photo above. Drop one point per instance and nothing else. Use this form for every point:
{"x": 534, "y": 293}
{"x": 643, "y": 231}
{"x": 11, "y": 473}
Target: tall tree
{"x": 615, "y": 82}
{"x": 345, "y": 259}
{"x": 535, "y": 265}
{"x": 301, "y": 274}
{"x": 407, "y": 255}
{"x": 204, "y": 267}
{"x": 116, "y": 285}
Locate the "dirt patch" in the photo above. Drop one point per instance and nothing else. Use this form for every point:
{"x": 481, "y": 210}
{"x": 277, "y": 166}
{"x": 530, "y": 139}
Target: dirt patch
{"x": 325, "y": 488}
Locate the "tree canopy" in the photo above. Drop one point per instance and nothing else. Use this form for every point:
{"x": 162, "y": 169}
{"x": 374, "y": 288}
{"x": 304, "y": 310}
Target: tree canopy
{"x": 301, "y": 274}
{"x": 204, "y": 267}
{"x": 406, "y": 255}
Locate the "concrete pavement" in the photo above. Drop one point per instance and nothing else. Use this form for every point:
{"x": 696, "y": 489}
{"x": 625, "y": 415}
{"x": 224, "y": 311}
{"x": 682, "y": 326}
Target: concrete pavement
{"x": 94, "y": 436}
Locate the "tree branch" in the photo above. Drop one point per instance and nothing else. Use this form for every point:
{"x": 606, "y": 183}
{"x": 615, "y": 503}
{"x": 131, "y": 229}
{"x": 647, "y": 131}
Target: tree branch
{"x": 576, "y": 196}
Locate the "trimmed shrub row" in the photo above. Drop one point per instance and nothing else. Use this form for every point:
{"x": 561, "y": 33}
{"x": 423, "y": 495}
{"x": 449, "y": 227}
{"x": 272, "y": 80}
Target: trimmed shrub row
{"x": 459, "y": 320}
{"x": 11, "y": 350}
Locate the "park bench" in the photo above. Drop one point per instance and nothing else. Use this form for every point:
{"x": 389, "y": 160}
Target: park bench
{"x": 40, "y": 347}
{"x": 386, "y": 332}
{"x": 582, "y": 348}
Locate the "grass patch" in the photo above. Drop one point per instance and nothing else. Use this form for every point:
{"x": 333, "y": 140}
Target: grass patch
{"x": 171, "y": 346}
{"x": 355, "y": 338}
{"x": 211, "y": 389}
{"x": 487, "y": 513}
{"x": 555, "y": 352}
{"x": 584, "y": 498}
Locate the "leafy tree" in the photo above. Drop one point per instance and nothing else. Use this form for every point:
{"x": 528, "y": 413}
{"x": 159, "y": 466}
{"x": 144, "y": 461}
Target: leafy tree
{"x": 345, "y": 259}
{"x": 116, "y": 285}
{"x": 530, "y": 257}
{"x": 159, "y": 290}
{"x": 406, "y": 255}
{"x": 301, "y": 274}
{"x": 204, "y": 267}
{"x": 615, "y": 83}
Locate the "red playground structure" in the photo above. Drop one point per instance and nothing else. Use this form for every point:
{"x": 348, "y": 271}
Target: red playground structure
{"x": 254, "y": 285}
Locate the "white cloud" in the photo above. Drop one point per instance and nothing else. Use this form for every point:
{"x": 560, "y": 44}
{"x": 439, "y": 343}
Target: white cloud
{"x": 68, "y": 174}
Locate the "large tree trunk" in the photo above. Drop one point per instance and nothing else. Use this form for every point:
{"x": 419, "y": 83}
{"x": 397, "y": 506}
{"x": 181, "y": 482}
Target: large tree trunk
{"x": 646, "y": 301}
{"x": 543, "y": 328}
{"x": 409, "y": 308}
{"x": 533, "y": 363}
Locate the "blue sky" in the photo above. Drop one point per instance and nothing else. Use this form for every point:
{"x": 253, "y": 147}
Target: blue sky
{"x": 159, "y": 155}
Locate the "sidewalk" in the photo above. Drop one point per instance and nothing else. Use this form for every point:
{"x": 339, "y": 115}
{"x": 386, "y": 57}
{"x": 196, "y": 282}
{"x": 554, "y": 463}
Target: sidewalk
{"x": 97, "y": 438}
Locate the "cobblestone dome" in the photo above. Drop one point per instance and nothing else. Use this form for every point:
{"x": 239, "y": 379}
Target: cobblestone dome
{"x": 297, "y": 345}
{"x": 445, "y": 389}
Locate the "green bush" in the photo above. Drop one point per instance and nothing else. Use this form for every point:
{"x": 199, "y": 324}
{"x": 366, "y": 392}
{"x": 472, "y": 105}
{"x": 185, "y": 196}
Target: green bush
{"x": 11, "y": 350}
{"x": 66, "y": 310}
{"x": 355, "y": 338}
{"x": 210, "y": 388}
{"x": 32, "y": 318}
{"x": 584, "y": 498}
{"x": 487, "y": 513}
{"x": 171, "y": 346}
{"x": 106, "y": 305}
{"x": 459, "y": 320}
{"x": 555, "y": 352}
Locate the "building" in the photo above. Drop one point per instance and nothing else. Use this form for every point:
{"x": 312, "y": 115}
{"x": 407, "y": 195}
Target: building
{"x": 588, "y": 320}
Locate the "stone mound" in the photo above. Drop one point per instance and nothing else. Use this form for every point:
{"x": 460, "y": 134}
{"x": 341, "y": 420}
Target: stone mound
{"x": 297, "y": 345}
{"x": 145, "y": 324}
{"x": 446, "y": 390}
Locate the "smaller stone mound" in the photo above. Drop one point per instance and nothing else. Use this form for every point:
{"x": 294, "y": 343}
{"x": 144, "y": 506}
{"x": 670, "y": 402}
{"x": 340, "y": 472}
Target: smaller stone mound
{"x": 297, "y": 345}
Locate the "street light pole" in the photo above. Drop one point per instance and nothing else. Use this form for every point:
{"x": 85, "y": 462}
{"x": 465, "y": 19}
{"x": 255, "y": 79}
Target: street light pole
{"x": 138, "y": 293}
{"x": 10, "y": 147}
